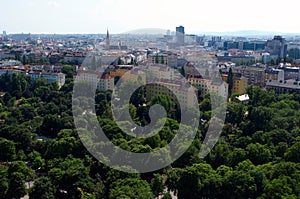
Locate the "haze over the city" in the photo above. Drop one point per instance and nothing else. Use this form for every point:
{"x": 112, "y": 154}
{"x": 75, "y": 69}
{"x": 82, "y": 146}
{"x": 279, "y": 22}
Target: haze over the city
{"x": 95, "y": 16}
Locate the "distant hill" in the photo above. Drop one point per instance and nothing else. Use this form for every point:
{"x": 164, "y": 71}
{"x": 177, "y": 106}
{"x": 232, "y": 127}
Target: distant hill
{"x": 248, "y": 33}
{"x": 239, "y": 33}
{"x": 150, "y": 31}
{"x": 244, "y": 33}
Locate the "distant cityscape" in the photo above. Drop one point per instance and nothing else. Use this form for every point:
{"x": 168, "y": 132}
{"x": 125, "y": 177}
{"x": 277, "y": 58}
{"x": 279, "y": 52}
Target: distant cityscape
{"x": 272, "y": 63}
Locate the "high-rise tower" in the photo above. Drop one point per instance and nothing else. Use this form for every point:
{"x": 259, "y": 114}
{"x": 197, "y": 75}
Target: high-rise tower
{"x": 180, "y": 35}
{"x": 4, "y": 35}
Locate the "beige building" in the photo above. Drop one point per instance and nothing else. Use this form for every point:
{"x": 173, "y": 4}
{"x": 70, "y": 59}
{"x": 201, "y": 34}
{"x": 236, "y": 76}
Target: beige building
{"x": 161, "y": 71}
{"x": 135, "y": 75}
{"x": 106, "y": 82}
{"x": 207, "y": 85}
{"x": 99, "y": 80}
{"x": 186, "y": 94}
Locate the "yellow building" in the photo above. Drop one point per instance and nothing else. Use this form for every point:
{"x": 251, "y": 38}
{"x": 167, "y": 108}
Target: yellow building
{"x": 274, "y": 74}
{"x": 135, "y": 75}
{"x": 186, "y": 94}
{"x": 239, "y": 84}
{"x": 118, "y": 72}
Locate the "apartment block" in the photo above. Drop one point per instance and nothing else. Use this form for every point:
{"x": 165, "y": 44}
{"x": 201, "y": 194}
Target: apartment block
{"x": 255, "y": 75}
{"x": 186, "y": 94}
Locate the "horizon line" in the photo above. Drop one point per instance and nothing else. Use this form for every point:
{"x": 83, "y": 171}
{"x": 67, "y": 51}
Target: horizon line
{"x": 135, "y": 31}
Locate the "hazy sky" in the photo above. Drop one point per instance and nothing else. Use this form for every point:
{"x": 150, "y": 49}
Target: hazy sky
{"x": 94, "y": 16}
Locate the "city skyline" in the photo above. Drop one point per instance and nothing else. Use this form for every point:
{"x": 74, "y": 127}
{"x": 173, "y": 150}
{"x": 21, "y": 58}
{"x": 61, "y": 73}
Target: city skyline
{"x": 66, "y": 16}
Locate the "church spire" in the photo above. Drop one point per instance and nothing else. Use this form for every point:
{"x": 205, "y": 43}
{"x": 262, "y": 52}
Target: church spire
{"x": 107, "y": 40}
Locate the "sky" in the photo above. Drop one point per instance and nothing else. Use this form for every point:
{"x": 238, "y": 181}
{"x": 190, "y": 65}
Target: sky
{"x": 119, "y": 16}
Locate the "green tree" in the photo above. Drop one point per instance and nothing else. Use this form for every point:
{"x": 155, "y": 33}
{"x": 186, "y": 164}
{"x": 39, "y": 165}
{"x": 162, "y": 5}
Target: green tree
{"x": 3, "y": 182}
{"x": 157, "y": 184}
{"x": 22, "y": 168}
{"x": 43, "y": 189}
{"x": 196, "y": 181}
{"x": 279, "y": 188}
{"x": 230, "y": 81}
{"x": 7, "y": 150}
{"x": 69, "y": 71}
{"x": 240, "y": 183}
{"x": 165, "y": 101}
{"x": 293, "y": 153}
{"x": 70, "y": 174}
{"x": 258, "y": 153}
{"x": 16, "y": 185}
{"x": 132, "y": 188}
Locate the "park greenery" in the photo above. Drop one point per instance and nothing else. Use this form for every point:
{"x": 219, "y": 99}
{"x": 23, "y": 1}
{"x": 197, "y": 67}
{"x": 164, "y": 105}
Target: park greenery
{"x": 257, "y": 155}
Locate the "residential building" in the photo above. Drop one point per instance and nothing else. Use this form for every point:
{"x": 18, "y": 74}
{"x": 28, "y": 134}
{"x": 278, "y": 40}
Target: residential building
{"x": 135, "y": 75}
{"x": 158, "y": 58}
{"x": 161, "y": 71}
{"x": 274, "y": 74}
{"x": 101, "y": 81}
{"x": 106, "y": 82}
{"x": 206, "y": 86}
{"x": 177, "y": 90}
{"x": 283, "y": 86}
{"x": 239, "y": 83}
{"x": 76, "y": 58}
{"x": 255, "y": 75}
{"x": 50, "y": 77}
{"x": 291, "y": 72}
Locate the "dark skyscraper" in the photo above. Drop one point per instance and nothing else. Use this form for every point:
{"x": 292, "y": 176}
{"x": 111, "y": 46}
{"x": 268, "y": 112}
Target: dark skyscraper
{"x": 277, "y": 46}
{"x": 180, "y": 35}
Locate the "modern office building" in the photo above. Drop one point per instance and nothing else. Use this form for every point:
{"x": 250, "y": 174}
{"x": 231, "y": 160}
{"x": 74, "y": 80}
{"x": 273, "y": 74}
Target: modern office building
{"x": 277, "y": 46}
{"x": 180, "y": 35}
